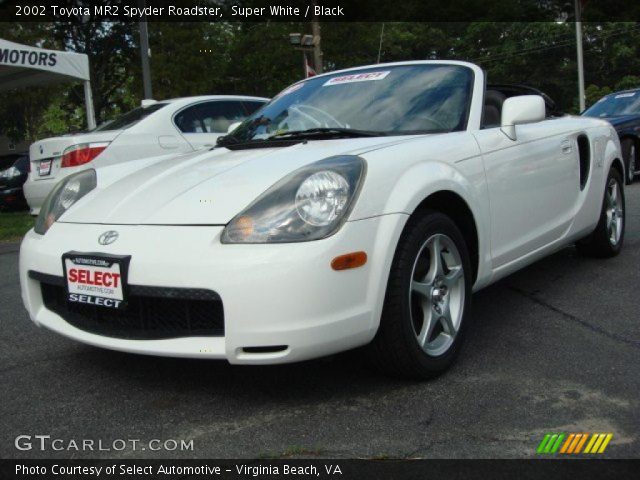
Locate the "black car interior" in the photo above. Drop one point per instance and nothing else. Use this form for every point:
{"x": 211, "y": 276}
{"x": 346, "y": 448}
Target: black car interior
{"x": 495, "y": 96}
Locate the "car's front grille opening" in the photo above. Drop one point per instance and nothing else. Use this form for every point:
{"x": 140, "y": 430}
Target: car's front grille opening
{"x": 151, "y": 313}
{"x": 265, "y": 349}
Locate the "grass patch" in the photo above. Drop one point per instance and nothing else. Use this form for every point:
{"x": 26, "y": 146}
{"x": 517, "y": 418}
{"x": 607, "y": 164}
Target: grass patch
{"x": 13, "y": 225}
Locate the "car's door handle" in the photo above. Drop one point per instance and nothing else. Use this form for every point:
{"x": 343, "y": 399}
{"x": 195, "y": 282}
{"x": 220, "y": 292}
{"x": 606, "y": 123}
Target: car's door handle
{"x": 567, "y": 147}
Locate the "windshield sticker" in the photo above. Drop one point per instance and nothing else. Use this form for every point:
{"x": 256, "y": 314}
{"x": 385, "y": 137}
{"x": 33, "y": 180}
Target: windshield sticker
{"x": 356, "y": 77}
{"x": 625, "y": 95}
{"x": 290, "y": 89}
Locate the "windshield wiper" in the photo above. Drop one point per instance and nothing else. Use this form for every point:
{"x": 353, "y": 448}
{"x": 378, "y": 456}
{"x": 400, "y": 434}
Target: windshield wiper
{"x": 326, "y": 132}
{"x": 231, "y": 139}
{"x": 227, "y": 139}
{"x": 294, "y": 136}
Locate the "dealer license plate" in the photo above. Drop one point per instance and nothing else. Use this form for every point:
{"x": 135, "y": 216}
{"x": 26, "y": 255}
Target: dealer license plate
{"x": 44, "y": 167}
{"x": 96, "y": 279}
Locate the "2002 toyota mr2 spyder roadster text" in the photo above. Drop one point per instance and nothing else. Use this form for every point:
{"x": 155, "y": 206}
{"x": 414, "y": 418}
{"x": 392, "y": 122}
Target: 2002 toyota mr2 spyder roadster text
{"x": 359, "y": 207}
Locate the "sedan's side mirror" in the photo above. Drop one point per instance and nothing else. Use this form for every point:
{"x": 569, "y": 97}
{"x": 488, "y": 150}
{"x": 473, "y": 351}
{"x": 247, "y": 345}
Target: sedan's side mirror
{"x": 519, "y": 110}
{"x": 233, "y": 126}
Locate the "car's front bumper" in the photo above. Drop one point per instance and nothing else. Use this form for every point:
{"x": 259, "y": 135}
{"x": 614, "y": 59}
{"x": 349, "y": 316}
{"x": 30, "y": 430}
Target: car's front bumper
{"x": 272, "y": 295}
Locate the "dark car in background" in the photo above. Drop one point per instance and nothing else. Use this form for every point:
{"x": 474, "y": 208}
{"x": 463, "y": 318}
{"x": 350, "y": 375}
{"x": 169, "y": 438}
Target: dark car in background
{"x": 14, "y": 170}
{"x": 622, "y": 110}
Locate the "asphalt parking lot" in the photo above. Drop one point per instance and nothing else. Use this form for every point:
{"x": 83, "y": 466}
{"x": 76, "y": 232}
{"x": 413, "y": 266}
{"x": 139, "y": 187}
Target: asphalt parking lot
{"x": 555, "y": 347}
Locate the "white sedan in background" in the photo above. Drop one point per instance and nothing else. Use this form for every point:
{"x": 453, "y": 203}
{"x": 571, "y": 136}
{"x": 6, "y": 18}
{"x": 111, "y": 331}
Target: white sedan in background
{"x": 360, "y": 207}
{"x": 155, "y": 128}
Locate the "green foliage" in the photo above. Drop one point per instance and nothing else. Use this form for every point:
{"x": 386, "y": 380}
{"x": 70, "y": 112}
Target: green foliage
{"x": 113, "y": 62}
{"x": 627, "y": 82}
{"x": 593, "y": 93}
{"x": 13, "y": 225}
{"x": 188, "y": 59}
{"x": 261, "y": 60}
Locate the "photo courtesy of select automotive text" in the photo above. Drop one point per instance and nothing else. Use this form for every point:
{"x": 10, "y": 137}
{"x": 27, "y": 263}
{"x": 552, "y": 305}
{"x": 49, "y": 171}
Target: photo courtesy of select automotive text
{"x": 335, "y": 239}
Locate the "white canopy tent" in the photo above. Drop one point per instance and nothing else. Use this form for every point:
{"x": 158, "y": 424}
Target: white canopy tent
{"x": 22, "y": 66}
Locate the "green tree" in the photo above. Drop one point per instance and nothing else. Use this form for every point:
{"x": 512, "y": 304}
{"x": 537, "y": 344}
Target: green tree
{"x": 189, "y": 58}
{"x": 261, "y": 60}
{"x": 113, "y": 63}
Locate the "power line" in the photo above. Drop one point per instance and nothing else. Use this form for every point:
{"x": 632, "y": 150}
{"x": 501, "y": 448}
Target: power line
{"x": 501, "y": 56}
{"x": 561, "y": 37}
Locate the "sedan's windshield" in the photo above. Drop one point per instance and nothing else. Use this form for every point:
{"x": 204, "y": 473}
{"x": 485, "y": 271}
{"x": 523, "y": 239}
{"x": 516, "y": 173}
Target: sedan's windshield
{"x": 625, "y": 103}
{"x": 385, "y": 100}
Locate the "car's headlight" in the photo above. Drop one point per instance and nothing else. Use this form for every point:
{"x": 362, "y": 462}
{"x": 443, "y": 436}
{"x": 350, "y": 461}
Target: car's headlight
{"x": 308, "y": 204}
{"x": 10, "y": 173}
{"x": 63, "y": 196}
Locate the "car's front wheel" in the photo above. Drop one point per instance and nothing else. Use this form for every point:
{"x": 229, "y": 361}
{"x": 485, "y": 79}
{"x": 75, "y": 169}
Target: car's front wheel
{"x": 427, "y": 300}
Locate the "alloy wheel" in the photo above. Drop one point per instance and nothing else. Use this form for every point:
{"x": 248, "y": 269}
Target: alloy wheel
{"x": 437, "y": 294}
{"x": 614, "y": 212}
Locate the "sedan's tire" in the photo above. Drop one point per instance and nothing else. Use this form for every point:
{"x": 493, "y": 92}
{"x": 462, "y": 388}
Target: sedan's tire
{"x": 630, "y": 156}
{"x": 606, "y": 240}
{"x": 427, "y": 302}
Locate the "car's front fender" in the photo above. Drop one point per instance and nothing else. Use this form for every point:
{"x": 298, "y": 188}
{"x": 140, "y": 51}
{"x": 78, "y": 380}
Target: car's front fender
{"x": 406, "y": 191}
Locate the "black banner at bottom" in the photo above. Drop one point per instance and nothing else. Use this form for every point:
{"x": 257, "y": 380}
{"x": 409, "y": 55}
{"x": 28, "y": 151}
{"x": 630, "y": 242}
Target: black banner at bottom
{"x": 316, "y": 468}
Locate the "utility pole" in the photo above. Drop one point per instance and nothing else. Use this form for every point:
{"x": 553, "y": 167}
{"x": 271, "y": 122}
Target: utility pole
{"x": 317, "y": 51}
{"x": 380, "y": 45}
{"x": 304, "y": 43}
{"x": 304, "y": 64}
{"x": 145, "y": 53}
{"x": 578, "y": 7}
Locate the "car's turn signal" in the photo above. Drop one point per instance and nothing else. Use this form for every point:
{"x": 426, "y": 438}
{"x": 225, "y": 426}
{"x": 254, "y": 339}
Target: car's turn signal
{"x": 349, "y": 260}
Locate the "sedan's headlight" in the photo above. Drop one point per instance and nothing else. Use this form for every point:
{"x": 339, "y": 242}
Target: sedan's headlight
{"x": 308, "y": 204}
{"x": 63, "y": 196}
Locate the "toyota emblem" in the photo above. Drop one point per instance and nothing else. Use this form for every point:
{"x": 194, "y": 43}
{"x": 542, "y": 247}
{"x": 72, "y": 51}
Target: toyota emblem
{"x": 108, "y": 237}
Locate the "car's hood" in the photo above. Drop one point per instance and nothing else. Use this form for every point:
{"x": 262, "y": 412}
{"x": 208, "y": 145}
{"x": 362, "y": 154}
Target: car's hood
{"x": 623, "y": 120}
{"x": 202, "y": 188}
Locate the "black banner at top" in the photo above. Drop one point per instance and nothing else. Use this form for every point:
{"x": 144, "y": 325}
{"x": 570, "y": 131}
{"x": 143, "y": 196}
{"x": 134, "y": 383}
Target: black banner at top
{"x": 322, "y": 10}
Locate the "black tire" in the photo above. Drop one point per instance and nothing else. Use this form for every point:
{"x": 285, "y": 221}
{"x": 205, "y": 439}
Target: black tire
{"x": 599, "y": 243}
{"x": 629, "y": 155}
{"x": 395, "y": 349}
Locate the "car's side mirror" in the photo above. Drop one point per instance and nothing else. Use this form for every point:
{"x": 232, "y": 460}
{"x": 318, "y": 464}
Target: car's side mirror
{"x": 233, "y": 126}
{"x": 519, "y": 110}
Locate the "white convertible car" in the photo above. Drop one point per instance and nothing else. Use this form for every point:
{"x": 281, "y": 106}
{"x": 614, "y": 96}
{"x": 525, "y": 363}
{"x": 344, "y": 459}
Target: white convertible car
{"x": 360, "y": 207}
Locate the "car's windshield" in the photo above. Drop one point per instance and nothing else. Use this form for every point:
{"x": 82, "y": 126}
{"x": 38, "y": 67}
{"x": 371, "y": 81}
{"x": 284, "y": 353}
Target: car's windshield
{"x": 389, "y": 100}
{"x": 625, "y": 103}
{"x": 130, "y": 118}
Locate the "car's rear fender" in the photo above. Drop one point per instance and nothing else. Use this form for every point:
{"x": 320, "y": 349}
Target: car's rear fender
{"x": 605, "y": 151}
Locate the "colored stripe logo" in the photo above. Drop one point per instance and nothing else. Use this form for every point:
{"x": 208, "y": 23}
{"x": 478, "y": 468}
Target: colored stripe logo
{"x": 574, "y": 443}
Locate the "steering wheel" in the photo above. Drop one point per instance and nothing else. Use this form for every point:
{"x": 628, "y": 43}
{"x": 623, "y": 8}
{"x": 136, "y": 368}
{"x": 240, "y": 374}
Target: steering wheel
{"x": 299, "y": 109}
